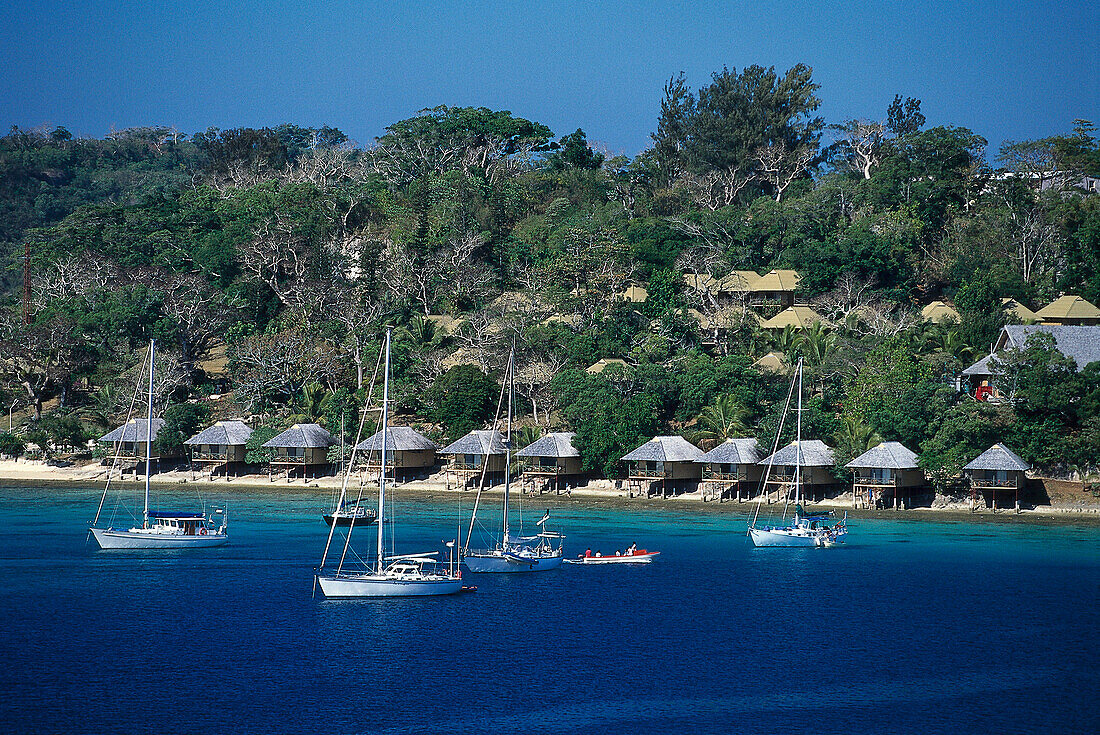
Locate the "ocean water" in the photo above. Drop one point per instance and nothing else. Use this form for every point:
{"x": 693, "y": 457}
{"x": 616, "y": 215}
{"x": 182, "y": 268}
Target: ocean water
{"x": 914, "y": 626}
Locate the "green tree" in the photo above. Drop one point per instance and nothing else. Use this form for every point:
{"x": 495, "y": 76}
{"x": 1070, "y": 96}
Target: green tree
{"x": 181, "y": 422}
{"x": 726, "y": 419}
{"x": 462, "y": 399}
{"x": 11, "y": 445}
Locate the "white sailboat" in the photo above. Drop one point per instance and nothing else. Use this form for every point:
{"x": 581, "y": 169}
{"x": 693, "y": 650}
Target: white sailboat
{"x": 408, "y": 575}
{"x": 512, "y": 553}
{"x": 158, "y": 529}
{"x": 803, "y": 529}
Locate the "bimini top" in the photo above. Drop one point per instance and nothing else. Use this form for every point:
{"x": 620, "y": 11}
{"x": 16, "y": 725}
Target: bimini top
{"x": 228, "y": 433}
{"x": 301, "y": 435}
{"x": 554, "y": 444}
{"x": 173, "y": 515}
{"x": 815, "y": 453}
{"x": 665, "y": 449}
{"x": 133, "y": 431}
{"x": 998, "y": 457}
{"x": 398, "y": 439}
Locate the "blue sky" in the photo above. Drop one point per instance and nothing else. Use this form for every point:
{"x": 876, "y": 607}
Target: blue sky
{"x": 1007, "y": 70}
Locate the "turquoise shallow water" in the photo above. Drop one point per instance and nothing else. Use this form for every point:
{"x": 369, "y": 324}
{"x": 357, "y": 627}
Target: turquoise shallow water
{"x": 914, "y": 626}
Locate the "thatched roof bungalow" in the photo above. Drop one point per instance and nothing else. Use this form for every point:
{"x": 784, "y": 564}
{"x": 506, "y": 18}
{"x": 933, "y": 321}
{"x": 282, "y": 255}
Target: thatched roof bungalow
{"x": 665, "y": 458}
{"x": 815, "y": 459}
{"x": 128, "y": 443}
{"x": 888, "y": 468}
{"x": 731, "y": 467}
{"x": 302, "y": 446}
{"x": 551, "y": 457}
{"x": 1069, "y": 310}
{"x": 776, "y": 287}
{"x": 479, "y": 447}
{"x": 408, "y": 452}
{"x": 220, "y": 445}
{"x": 997, "y": 469}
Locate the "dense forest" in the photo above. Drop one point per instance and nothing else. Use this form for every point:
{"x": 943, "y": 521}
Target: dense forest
{"x": 267, "y": 263}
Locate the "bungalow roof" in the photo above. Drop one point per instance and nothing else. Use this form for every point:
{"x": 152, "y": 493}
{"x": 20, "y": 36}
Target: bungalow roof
{"x": 134, "y": 430}
{"x": 1018, "y": 310}
{"x": 938, "y": 312}
{"x": 1069, "y": 307}
{"x": 665, "y": 449}
{"x": 479, "y": 441}
{"x": 604, "y": 363}
{"x": 773, "y": 362}
{"x": 815, "y": 453}
{"x": 887, "y": 455}
{"x": 228, "y": 433}
{"x": 734, "y": 451}
{"x": 634, "y": 294}
{"x": 398, "y": 439}
{"x": 799, "y": 317}
{"x": 554, "y": 444}
{"x": 998, "y": 457}
{"x": 776, "y": 280}
{"x": 301, "y": 436}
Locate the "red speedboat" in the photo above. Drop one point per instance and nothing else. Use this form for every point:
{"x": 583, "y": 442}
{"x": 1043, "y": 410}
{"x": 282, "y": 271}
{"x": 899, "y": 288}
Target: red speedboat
{"x": 630, "y": 556}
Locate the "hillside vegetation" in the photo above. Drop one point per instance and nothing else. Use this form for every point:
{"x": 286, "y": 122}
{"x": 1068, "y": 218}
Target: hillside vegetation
{"x": 267, "y": 263}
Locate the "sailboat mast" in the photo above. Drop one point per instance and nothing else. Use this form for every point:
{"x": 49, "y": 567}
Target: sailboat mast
{"x": 385, "y": 431}
{"x": 798, "y": 442}
{"x": 149, "y": 435}
{"x": 508, "y": 441}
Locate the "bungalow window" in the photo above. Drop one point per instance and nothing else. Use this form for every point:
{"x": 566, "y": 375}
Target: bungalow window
{"x": 549, "y": 462}
{"x": 295, "y": 451}
{"x": 471, "y": 459}
{"x": 882, "y": 474}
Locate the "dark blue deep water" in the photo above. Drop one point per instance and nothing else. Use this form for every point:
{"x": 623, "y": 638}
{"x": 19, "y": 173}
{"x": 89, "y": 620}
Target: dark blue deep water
{"x": 915, "y": 626}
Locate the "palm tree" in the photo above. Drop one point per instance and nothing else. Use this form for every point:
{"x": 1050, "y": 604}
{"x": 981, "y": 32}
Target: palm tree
{"x": 854, "y": 437}
{"x": 420, "y": 330}
{"x": 725, "y": 419}
{"x": 313, "y": 402}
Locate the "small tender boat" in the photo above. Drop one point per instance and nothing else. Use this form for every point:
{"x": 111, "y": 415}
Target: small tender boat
{"x": 630, "y": 556}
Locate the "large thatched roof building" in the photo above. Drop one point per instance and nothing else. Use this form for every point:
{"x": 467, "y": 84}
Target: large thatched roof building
{"x": 551, "y": 457}
{"x": 1069, "y": 310}
{"x": 815, "y": 460}
{"x": 668, "y": 459}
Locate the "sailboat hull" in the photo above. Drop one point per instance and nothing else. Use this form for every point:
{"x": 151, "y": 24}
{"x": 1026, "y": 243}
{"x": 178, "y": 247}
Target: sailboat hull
{"x": 788, "y": 537}
{"x": 137, "y": 538}
{"x": 496, "y": 562}
{"x": 381, "y": 586}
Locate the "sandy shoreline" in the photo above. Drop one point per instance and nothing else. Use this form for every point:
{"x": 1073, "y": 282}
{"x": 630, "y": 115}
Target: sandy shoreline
{"x": 37, "y": 474}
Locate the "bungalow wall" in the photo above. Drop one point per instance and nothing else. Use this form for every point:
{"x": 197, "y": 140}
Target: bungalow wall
{"x": 301, "y": 455}
{"x": 732, "y": 472}
{"x": 883, "y": 477}
{"x": 472, "y": 462}
{"x": 810, "y": 475}
{"x": 410, "y": 459}
{"x": 137, "y": 451}
{"x": 552, "y": 465}
{"x": 667, "y": 470}
{"x": 218, "y": 452}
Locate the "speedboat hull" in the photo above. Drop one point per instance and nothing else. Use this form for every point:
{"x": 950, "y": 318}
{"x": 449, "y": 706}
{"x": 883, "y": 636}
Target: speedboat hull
{"x": 644, "y": 558}
{"x": 372, "y": 585}
{"x": 136, "y": 538}
{"x": 499, "y": 562}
